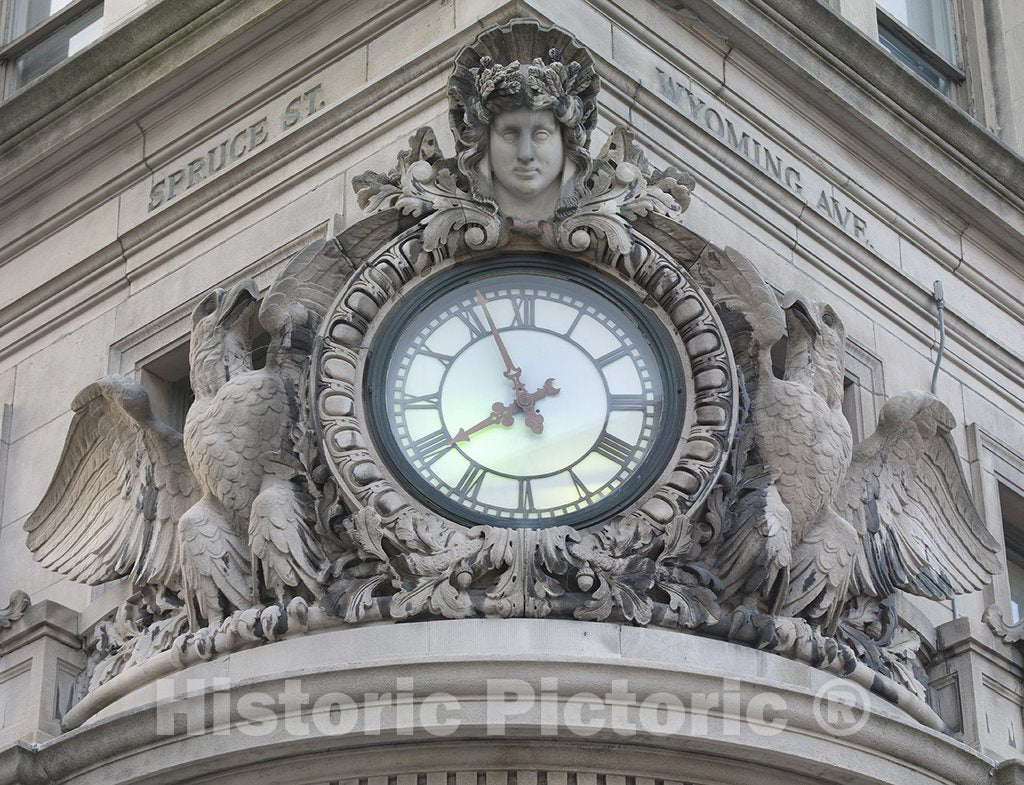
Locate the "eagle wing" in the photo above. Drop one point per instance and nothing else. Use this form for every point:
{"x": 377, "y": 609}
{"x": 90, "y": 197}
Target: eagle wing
{"x": 755, "y": 555}
{"x": 122, "y": 483}
{"x": 297, "y": 302}
{"x": 907, "y": 496}
{"x": 740, "y": 293}
{"x": 306, "y": 287}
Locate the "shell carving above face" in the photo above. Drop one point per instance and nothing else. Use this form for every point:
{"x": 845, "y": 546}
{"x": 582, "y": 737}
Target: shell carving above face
{"x": 526, "y": 159}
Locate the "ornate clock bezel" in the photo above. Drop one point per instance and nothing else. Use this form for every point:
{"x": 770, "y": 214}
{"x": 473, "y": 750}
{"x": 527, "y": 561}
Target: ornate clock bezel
{"x": 347, "y": 336}
{"x": 666, "y": 346}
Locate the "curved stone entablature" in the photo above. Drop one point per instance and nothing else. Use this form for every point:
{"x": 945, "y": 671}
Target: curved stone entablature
{"x": 502, "y": 699}
{"x": 281, "y": 512}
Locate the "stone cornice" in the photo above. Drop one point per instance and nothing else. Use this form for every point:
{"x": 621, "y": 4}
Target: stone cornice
{"x": 883, "y": 73}
{"x": 91, "y": 88}
{"x": 834, "y": 66}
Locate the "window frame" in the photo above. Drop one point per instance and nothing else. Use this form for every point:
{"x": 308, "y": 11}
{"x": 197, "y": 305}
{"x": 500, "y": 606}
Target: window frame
{"x": 952, "y": 71}
{"x": 1013, "y": 544}
{"x": 864, "y": 381}
{"x": 993, "y": 464}
{"x": 13, "y": 49}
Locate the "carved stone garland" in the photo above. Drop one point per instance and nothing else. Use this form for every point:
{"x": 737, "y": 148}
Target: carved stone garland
{"x": 411, "y": 562}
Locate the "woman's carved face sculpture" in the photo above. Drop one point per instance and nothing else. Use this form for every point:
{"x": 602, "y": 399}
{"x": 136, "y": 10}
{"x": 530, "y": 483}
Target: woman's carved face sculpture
{"x": 526, "y": 157}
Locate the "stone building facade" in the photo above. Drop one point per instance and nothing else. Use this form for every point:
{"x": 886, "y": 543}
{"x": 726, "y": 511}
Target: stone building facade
{"x": 194, "y": 144}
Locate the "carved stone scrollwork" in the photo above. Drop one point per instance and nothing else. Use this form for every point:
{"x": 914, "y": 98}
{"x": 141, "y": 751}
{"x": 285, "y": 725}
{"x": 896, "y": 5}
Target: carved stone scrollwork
{"x": 1011, "y": 633}
{"x": 406, "y": 561}
{"x": 16, "y": 607}
{"x": 426, "y": 185}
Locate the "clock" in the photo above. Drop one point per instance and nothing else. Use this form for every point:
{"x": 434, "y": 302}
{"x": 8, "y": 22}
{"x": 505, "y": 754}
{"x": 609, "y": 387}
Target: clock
{"x": 524, "y": 392}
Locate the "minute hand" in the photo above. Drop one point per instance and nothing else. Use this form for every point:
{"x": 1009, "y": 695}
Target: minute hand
{"x": 525, "y": 401}
{"x": 512, "y": 371}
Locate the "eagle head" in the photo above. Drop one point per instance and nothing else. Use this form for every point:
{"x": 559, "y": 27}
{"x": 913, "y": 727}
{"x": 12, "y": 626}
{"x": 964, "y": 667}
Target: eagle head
{"x": 816, "y": 346}
{"x": 222, "y": 333}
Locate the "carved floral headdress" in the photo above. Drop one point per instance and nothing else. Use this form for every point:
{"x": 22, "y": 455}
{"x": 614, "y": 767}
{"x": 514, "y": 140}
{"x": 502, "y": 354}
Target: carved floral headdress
{"x": 523, "y": 63}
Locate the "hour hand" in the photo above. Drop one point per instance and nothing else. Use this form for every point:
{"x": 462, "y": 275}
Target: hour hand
{"x": 534, "y": 419}
{"x": 500, "y": 413}
{"x": 548, "y": 389}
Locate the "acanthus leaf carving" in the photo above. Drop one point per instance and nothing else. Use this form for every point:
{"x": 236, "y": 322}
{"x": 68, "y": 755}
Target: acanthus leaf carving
{"x": 622, "y": 188}
{"x": 996, "y": 621}
{"x": 872, "y": 629}
{"x": 16, "y": 607}
{"x": 690, "y": 584}
{"x": 426, "y": 185}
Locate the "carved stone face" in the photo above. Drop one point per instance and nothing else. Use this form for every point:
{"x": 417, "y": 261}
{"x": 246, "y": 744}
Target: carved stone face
{"x": 526, "y": 157}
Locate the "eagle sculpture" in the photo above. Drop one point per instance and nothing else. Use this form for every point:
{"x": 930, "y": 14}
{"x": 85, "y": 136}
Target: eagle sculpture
{"x": 220, "y": 517}
{"x": 830, "y": 521}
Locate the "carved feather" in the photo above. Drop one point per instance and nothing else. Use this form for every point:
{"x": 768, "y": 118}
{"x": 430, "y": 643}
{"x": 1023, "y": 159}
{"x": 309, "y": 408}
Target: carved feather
{"x": 283, "y": 545}
{"x": 120, "y": 487}
{"x": 906, "y": 495}
{"x": 305, "y": 289}
{"x": 737, "y": 287}
{"x": 215, "y": 561}
{"x": 822, "y": 565}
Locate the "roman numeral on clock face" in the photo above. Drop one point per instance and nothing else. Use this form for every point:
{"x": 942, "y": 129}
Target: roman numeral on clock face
{"x": 444, "y": 359}
{"x": 525, "y": 496}
{"x": 471, "y": 482}
{"x": 627, "y": 403}
{"x": 613, "y": 448}
{"x": 469, "y": 318}
{"x": 612, "y": 356}
{"x": 431, "y": 401}
{"x": 581, "y": 489}
{"x": 522, "y": 311}
{"x": 432, "y": 446}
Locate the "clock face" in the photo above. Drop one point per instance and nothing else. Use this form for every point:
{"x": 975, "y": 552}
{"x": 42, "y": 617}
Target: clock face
{"x": 520, "y": 396}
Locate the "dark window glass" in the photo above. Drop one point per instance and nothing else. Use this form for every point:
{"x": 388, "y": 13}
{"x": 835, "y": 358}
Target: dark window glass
{"x": 59, "y": 46}
{"x": 26, "y": 14}
{"x": 929, "y": 20}
{"x": 1012, "y": 508}
{"x": 913, "y": 59}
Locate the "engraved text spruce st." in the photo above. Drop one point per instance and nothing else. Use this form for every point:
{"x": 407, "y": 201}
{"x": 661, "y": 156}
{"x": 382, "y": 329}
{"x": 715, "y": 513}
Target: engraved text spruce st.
{"x": 222, "y": 153}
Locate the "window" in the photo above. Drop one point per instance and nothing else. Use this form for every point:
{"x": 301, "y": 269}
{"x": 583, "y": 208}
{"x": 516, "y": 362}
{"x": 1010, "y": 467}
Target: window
{"x": 40, "y": 34}
{"x": 26, "y": 14}
{"x": 1012, "y": 507}
{"x": 851, "y": 407}
{"x": 166, "y": 381}
{"x": 920, "y": 34}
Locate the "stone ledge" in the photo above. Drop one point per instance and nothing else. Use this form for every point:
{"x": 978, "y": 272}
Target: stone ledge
{"x": 939, "y": 114}
{"x": 954, "y": 157}
{"x": 75, "y": 76}
{"x": 563, "y": 661}
{"x": 1009, "y": 772}
{"x": 43, "y": 619}
{"x": 154, "y": 48}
